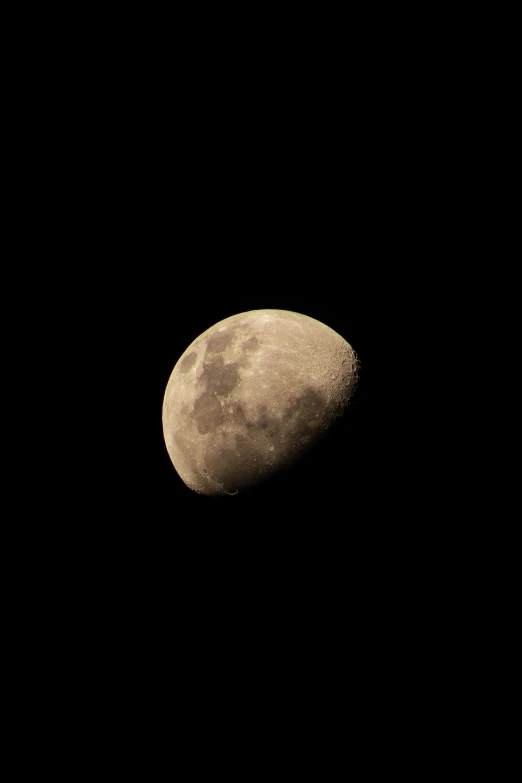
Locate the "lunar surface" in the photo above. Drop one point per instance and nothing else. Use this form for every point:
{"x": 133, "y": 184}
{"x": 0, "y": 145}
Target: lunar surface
{"x": 251, "y": 395}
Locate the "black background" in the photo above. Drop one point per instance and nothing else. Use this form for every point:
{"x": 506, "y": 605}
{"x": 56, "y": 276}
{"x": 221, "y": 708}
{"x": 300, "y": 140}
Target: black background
{"x": 255, "y": 201}
{"x": 186, "y": 194}
{"x": 170, "y": 174}
{"x": 202, "y": 200}
{"x": 356, "y": 499}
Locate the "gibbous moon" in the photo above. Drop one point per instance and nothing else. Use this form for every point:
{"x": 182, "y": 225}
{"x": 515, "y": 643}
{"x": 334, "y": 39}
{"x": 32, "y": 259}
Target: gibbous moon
{"x": 251, "y": 395}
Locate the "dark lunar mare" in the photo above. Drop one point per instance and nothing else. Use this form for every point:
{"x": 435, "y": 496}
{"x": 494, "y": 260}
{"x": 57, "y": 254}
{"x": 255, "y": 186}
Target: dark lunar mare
{"x": 246, "y": 465}
{"x": 218, "y": 379}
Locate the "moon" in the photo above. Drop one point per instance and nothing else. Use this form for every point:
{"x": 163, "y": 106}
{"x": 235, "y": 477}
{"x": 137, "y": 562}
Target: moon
{"x": 251, "y": 395}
